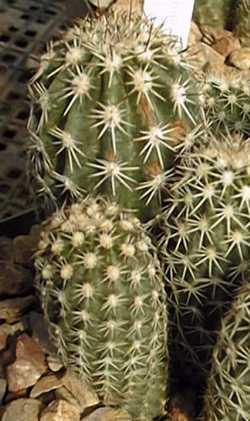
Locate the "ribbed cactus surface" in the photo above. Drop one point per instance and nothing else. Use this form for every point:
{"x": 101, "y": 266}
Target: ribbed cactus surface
{"x": 206, "y": 242}
{"x": 110, "y": 103}
{"x": 242, "y": 28}
{"x": 103, "y": 296}
{"x": 228, "y": 396}
{"x": 226, "y": 102}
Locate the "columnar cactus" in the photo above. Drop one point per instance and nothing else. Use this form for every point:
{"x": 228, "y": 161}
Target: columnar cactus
{"x": 212, "y": 12}
{"x": 228, "y": 396}
{"x": 226, "y": 102}
{"x": 206, "y": 242}
{"x": 102, "y": 293}
{"x": 242, "y": 28}
{"x": 111, "y": 101}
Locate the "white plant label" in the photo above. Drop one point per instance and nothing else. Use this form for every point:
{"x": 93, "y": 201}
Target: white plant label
{"x": 176, "y": 15}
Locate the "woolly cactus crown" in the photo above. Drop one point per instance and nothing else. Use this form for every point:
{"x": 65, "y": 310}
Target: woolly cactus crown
{"x": 111, "y": 102}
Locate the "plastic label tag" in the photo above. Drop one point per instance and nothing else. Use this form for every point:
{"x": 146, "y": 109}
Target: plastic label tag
{"x": 176, "y": 15}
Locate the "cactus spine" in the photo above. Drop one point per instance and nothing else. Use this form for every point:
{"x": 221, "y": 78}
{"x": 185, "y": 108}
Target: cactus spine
{"x": 206, "y": 244}
{"x": 226, "y": 103}
{"x": 110, "y": 102}
{"x": 228, "y": 395}
{"x": 103, "y": 296}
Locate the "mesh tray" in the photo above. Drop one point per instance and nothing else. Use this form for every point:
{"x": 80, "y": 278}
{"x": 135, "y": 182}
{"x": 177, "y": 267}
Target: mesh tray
{"x": 25, "y": 28}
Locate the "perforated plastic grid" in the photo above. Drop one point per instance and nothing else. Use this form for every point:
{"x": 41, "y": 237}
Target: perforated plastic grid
{"x": 25, "y": 28}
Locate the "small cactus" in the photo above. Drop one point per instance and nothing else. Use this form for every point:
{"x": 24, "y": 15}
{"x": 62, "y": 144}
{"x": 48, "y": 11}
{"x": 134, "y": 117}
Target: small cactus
{"x": 242, "y": 28}
{"x": 228, "y": 394}
{"x": 110, "y": 103}
{"x": 206, "y": 242}
{"x": 103, "y": 296}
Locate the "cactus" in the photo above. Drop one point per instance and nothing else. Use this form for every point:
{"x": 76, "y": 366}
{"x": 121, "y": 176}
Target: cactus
{"x": 109, "y": 104}
{"x": 206, "y": 244}
{"x": 242, "y": 28}
{"x": 226, "y": 102}
{"x": 213, "y": 12}
{"x": 228, "y": 395}
{"x": 102, "y": 293}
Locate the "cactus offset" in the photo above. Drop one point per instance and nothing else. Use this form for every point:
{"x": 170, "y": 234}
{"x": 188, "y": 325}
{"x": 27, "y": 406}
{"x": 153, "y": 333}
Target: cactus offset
{"x": 226, "y": 102}
{"x": 103, "y": 296}
{"x": 228, "y": 395}
{"x": 242, "y": 28}
{"x": 110, "y": 102}
{"x": 206, "y": 244}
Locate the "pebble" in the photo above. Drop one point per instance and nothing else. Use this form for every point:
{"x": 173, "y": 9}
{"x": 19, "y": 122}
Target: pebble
{"x": 46, "y": 384}
{"x": 226, "y": 45}
{"x": 22, "y": 410}
{"x": 54, "y": 363}
{"x": 241, "y": 58}
{"x": 12, "y": 309}
{"x": 15, "y": 280}
{"x": 108, "y": 414}
{"x": 7, "y": 330}
{"x": 29, "y": 364}
{"x": 60, "y": 410}
{"x": 82, "y": 393}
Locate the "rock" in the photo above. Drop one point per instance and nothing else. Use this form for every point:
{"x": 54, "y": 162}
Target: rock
{"x": 60, "y": 410}
{"x": 24, "y": 247}
{"x": 15, "y": 280}
{"x": 6, "y": 248}
{"x": 195, "y": 34}
{"x": 22, "y": 410}
{"x": 211, "y": 34}
{"x": 226, "y": 45}
{"x": 3, "y": 387}
{"x": 108, "y": 414}
{"x": 212, "y": 56}
{"x": 12, "y": 309}
{"x": 54, "y": 363}
{"x": 63, "y": 393}
{"x": 241, "y": 58}
{"x": 7, "y": 330}
{"x": 83, "y": 393}
{"x": 46, "y": 384}
{"x": 29, "y": 364}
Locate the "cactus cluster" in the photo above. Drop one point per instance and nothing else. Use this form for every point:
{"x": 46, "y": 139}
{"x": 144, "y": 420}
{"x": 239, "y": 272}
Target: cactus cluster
{"x": 226, "y": 103}
{"x": 228, "y": 393}
{"x": 206, "y": 242}
{"x": 103, "y": 295}
{"x": 242, "y": 27}
{"x": 110, "y": 103}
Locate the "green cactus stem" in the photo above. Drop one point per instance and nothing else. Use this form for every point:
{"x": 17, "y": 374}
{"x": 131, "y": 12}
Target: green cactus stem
{"x": 226, "y": 103}
{"x": 103, "y": 296}
{"x": 110, "y": 103}
{"x": 206, "y": 241}
{"x": 228, "y": 395}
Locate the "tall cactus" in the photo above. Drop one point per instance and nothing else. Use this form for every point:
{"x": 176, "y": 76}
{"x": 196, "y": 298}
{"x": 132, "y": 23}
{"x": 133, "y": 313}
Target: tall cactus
{"x": 102, "y": 293}
{"x": 228, "y": 395}
{"x": 110, "y": 103}
{"x": 206, "y": 242}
